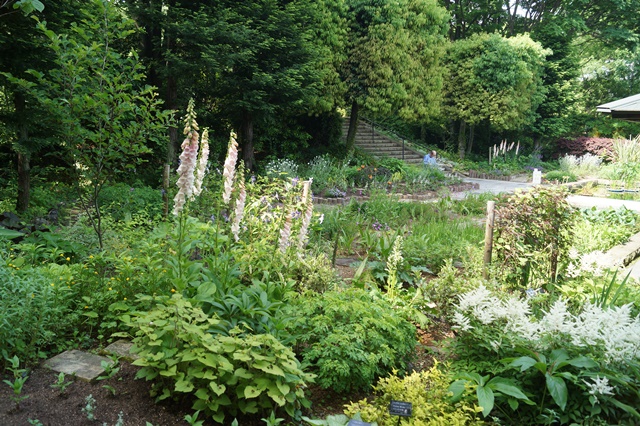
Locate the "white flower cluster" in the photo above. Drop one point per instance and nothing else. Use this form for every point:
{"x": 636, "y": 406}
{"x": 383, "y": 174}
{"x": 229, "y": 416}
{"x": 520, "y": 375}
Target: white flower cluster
{"x": 600, "y": 386}
{"x": 594, "y": 263}
{"x": 229, "y": 170}
{"x": 611, "y": 333}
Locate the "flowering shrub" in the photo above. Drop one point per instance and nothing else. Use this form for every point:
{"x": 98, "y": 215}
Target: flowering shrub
{"x": 283, "y": 167}
{"x": 593, "y": 342}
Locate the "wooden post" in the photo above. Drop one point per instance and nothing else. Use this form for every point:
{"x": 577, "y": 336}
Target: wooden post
{"x": 488, "y": 238}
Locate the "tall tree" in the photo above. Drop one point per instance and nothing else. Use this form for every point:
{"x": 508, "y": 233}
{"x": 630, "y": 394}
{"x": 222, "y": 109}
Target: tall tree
{"x": 495, "y": 79}
{"x": 394, "y": 55}
{"x": 23, "y": 47}
{"x": 95, "y": 94}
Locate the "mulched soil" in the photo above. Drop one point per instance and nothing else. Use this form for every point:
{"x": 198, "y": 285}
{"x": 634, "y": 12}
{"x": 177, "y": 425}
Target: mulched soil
{"x": 52, "y": 408}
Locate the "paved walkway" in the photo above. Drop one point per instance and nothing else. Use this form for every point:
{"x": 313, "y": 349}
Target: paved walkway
{"x": 580, "y": 201}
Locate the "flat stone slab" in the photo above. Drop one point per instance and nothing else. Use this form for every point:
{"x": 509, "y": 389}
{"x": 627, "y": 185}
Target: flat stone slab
{"x": 83, "y": 365}
{"x": 122, "y": 349}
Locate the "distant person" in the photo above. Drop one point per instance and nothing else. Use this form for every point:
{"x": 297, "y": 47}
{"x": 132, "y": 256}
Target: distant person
{"x": 430, "y": 159}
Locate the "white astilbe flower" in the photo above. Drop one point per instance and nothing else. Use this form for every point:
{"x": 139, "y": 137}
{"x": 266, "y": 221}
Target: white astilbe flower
{"x": 202, "y": 162}
{"x": 308, "y": 213}
{"x": 239, "y": 211}
{"x": 185, "y": 171}
{"x": 557, "y": 320}
{"x": 229, "y": 168}
{"x": 462, "y": 322}
{"x": 600, "y": 386}
{"x": 480, "y": 297}
{"x": 285, "y": 233}
{"x": 611, "y": 334}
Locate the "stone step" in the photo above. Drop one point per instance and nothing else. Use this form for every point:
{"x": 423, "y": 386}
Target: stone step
{"x": 83, "y": 365}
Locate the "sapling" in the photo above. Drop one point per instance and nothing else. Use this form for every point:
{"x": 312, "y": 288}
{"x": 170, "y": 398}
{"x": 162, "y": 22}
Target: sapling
{"x": 20, "y": 376}
{"x": 193, "y": 419}
{"x": 61, "y": 384}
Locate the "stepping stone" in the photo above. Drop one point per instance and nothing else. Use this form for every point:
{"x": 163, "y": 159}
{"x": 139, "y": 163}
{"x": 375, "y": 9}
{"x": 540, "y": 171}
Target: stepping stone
{"x": 83, "y": 365}
{"x": 122, "y": 349}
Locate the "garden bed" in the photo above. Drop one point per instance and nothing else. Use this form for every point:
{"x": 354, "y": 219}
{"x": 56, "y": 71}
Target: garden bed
{"x": 358, "y": 195}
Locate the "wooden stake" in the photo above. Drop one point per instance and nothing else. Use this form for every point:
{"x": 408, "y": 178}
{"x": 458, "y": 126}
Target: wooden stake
{"x": 488, "y": 238}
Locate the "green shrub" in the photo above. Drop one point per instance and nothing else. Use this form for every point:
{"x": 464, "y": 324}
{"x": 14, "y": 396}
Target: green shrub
{"x": 121, "y": 201}
{"x": 252, "y": 374}
{"x": 560, "y": 176}
{"x": 350, "y": 339}
{"x": 428, "y": 393}
{"x": 36, "y": 313}
{"x": 533, "y": 236}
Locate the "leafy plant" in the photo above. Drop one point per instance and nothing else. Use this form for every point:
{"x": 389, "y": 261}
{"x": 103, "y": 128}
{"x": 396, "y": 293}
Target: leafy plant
{"x": 20, "y": 376}
{"x": 225, "y": 374}
{"x": 89, "y": 408}
{"x": 486, "y": 390}
{"x": 532, "y": 236}
{"x": 61, "y": 384}
{"x": 429, "y": 395}
{"x": 335, "y": 420}
{"x": 350, "y": 338}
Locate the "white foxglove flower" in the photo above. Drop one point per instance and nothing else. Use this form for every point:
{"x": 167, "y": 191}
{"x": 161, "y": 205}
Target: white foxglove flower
{"x": 229, "y": 168}
{"x": 240, "y": 201}
{"x": 285, "y": 233}
{"x": 202, "y": 162}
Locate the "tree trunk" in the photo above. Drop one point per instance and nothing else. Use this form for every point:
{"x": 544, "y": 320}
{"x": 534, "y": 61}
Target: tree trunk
{"x": 246, "y": 140}
{"x": 472, "y": 134}
{"x": 24, "y": 182}
{"x": 24, "y": 157}
{"x": 462, "y": 139}
{"x": 353, "y": 126}
{"x": 172, "y": 95}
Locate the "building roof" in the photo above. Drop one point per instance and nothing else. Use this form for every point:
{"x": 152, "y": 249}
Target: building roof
{"x": 625, "y": 109}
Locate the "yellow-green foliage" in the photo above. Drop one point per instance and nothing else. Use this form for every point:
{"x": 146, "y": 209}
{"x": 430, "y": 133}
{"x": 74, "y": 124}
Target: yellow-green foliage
{"x": 429, "y": 395}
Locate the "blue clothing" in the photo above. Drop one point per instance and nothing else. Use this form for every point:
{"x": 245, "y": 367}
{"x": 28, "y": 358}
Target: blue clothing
{"x": 429, "y": 160}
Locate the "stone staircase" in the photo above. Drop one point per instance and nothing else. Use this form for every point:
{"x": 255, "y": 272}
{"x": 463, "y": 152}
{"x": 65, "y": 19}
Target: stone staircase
{"x": 379, "y": 145}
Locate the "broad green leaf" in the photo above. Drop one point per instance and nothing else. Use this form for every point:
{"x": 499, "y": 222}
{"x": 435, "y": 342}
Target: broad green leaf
{"x": 243, "y": 373}
{"x": 485, "y": 399}
{"x": 524, "y": 363}
{"x": 582, "y": 362}
{"x": 457, "y": 388}
{"x": 558, "y": 390}
{"x": 10, "y": 233}
{"x": 218, "y": 389}
{"x": 251, "y": 392}
{"x": 202, "y": 394}
{"x": 183, "y": 386}
{"x": 506, "y": 387}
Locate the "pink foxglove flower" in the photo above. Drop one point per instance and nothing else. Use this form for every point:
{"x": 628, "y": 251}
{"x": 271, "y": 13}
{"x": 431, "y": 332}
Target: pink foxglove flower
{"x": 307, "y": 199}
{"x": 188, "y": 160}
{"x": 230, "y": 168}
{"x": 202, "y": 162}
{"x": 239, "y": 210}
{"x": 285, "y": 233}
